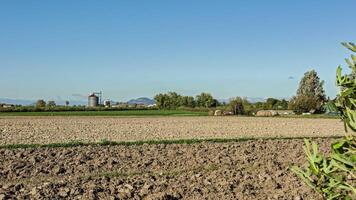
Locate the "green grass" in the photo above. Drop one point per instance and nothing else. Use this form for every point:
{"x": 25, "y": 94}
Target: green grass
{"x": 109, "y": 113}
{"x": 148, "y": 142}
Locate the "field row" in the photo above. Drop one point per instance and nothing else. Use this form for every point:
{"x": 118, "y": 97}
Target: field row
{"x": 256, "y": 169}
{"x": 44, "y": 130}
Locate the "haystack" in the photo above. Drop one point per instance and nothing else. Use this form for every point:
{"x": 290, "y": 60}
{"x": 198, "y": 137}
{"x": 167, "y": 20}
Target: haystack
{"x": 218, "y": 113}
{"x": 266, "y": 113}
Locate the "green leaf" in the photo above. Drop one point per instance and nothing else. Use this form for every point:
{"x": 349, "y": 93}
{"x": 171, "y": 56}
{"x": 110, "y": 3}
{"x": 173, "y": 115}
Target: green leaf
{"x": 338, "y": 75}
{"x": 338, "y": 144}
{"x": 304, "y": 176}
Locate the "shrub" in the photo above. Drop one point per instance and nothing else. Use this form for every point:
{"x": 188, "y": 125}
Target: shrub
{"x": 330, "y": 175}
{"x": 302, "y": 104}
{"x": 40, "y": 103}
{"x": 346, "y": 100}
{"x": 334, "y": 176}
{"x": 310, "y": 94}
{"x": 236, "y": 105}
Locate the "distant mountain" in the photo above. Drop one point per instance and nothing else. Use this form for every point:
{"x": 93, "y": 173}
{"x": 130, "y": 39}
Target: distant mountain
{"x": 250, "y": 99}
{"x": 224, "y": 100}
{"x": 256, "y": 99}
{"x": 17, "y": 101}
{"x": 26, "y": 102}
{"x": 142, "y": 100}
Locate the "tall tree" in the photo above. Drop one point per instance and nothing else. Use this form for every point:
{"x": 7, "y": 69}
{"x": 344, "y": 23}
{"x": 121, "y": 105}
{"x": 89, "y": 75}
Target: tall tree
{"x": 310, "y": 94}
{"x": 312, "y": 86}
{"x": 188, "y": 101}
{"x": 161, "y": 100}
{"x": 171, "y": 100}
{"x": 236, "y": 105}
{"x": 51, "y": 104}
{"x": 271, "y": 102}
{"x": 40, "y": 103}
{"x": 205, "y": 100}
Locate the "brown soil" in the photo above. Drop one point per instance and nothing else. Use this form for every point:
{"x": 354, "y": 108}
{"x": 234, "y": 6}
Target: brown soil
{"x": 15, "y": 130}
{"x": 236, "y": 170}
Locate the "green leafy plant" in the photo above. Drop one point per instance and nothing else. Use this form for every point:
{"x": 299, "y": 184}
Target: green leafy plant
{"x": 346, "y": 100}
{"x": 334, "y": 176}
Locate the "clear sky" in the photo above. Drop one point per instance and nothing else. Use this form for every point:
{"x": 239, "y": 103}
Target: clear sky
{"x": 65, "y": 49}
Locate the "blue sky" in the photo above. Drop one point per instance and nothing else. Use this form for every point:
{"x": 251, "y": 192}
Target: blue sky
{"x": 127, "y": 49}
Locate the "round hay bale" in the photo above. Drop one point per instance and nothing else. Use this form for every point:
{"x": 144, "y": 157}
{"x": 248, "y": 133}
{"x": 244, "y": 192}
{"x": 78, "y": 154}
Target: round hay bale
{"x": 226, "y": 113}
{"x": 266, "y": 113}
{"x": 218, "y": 113}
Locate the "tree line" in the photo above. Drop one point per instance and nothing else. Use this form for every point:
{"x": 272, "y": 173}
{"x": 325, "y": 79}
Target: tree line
{"x": 310, "y": 97}
{"x": 173, "y": 100}
{"x": 237, "y": 105}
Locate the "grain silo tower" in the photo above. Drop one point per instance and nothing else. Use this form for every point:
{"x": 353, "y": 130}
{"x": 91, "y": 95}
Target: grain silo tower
{"x": 93, "y": 100}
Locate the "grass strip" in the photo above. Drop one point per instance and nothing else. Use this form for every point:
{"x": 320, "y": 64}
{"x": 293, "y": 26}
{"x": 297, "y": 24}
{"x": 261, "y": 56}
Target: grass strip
{"x": 109, "y": 113}
{"x": 150, "y": 142}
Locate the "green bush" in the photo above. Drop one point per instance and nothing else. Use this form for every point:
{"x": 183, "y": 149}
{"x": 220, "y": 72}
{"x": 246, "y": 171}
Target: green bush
{"x": 334, "y": 176}
{"x": 302, "y": 104}
{"x": 346, "y": 100}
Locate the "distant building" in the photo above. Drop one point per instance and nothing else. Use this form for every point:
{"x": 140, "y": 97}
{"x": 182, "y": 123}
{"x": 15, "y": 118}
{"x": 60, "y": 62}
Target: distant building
{"x": 107, "y": 103}
{"x": 93, "y": 101}
{"x": 6, "y": 105}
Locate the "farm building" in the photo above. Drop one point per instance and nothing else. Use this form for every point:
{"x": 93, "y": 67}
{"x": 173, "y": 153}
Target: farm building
{"x": 93, "y": 101}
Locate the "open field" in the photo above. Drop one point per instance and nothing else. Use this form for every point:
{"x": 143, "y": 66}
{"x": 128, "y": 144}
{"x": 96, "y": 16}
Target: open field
{"x": 234, "y": 170}
{"x": 30, "y": 130}
{"x": 72, "y": 157}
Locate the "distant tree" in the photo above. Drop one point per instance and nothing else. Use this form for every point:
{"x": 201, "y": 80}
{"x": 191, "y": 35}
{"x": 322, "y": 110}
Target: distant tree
{"x": 236, "y": 105}
{"x": 67, "y": 103}
{"x": 281, "y": 105}
{"x": 258, "y": 105}
{"x": 40, "y": 103}
{"x": 310, "y": 92}
{"x": 188, "y": 101}
{"x": 312, "y": 86}
{"x": 270, "y": 103}
{"x": 275, "y": 104}
{"x": 204, "y": 100}
{"x": 303, "y": 104}
{"x": 51, "y": 104}
{"x": 248, "y": 107}
{"x": 171, "y": 100}
{"x": 174, "y": 100}
{"x": 216, "y": 103}
{"x": 161, "y": 100}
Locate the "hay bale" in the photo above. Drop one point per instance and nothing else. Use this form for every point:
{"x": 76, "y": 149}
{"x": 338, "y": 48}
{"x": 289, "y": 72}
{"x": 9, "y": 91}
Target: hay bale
{"x": 267, "y": 113}
{"x": 218, "y": 113}
{"x": 227, "y": 113}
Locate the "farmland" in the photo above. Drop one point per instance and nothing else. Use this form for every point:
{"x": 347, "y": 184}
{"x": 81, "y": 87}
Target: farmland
{"x": 30, "y": 130}
{"x": 234, "y": 170}
{"x": 167, "y": 157}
